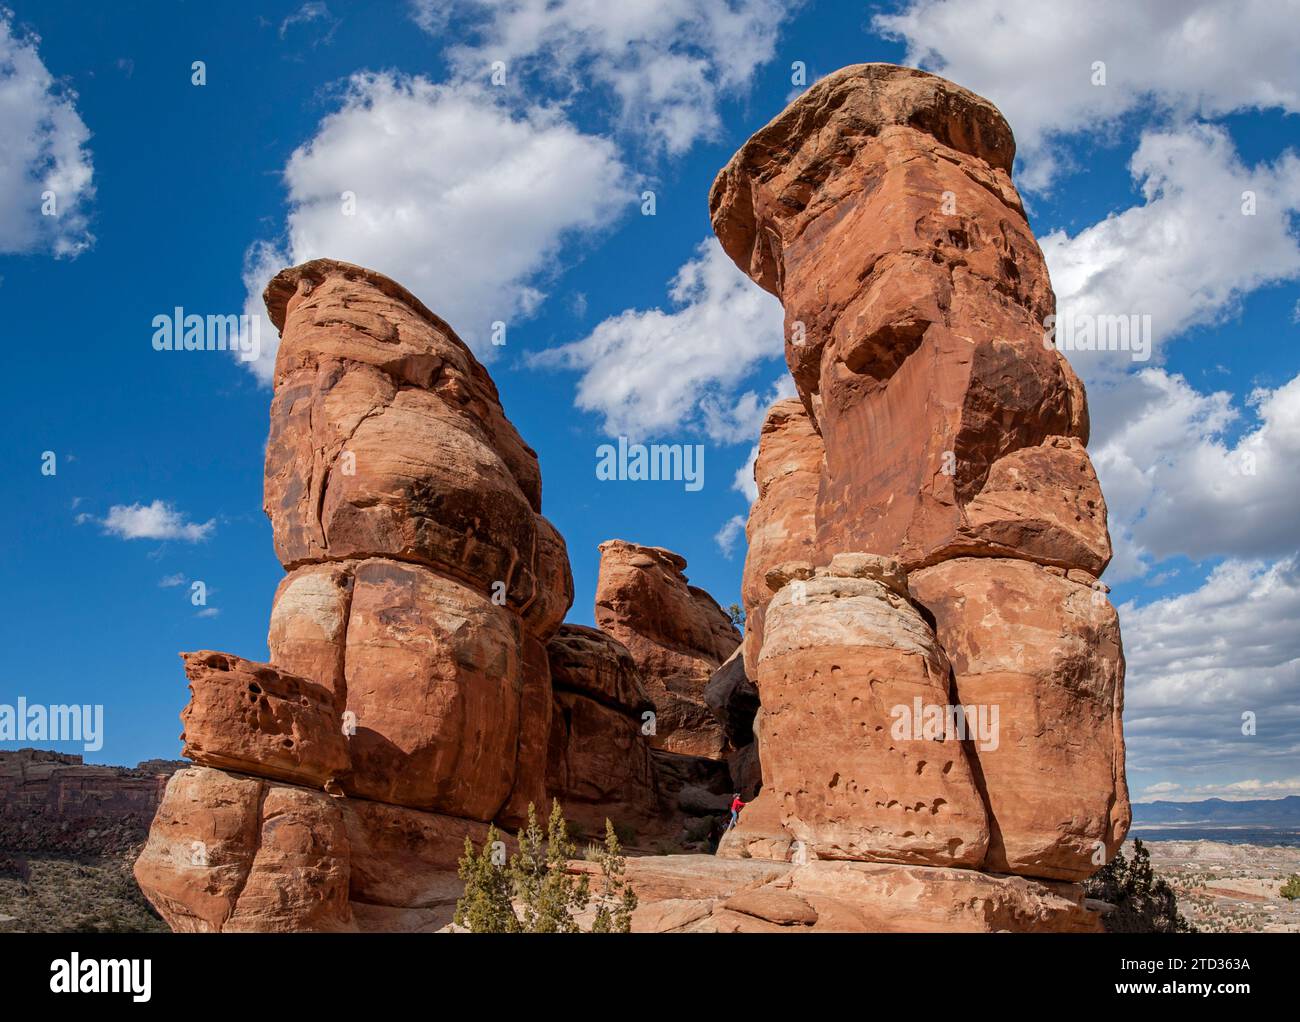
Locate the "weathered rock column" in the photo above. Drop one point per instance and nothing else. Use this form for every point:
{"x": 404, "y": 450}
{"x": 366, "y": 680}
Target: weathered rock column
{"x": 408, "y": 639}
{"x": 408, "y": 509}
{"x": 600, "y": 764}
{"x": 879, "y": 208}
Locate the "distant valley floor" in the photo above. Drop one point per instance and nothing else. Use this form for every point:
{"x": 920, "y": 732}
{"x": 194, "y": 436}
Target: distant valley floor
{"x": 1227, "y": 887}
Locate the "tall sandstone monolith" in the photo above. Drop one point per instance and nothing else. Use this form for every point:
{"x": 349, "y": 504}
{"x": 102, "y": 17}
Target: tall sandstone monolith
{"x": 949, "y": 549}
{"x": 406, "y": 506}
{"x": 408, "y": 701}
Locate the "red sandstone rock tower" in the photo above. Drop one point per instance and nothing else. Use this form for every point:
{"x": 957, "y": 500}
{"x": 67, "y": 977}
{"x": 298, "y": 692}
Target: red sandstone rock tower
{"x": 406, "y": 509}
{"x": 414, "y": 641}
{"x": 408, "y": 639}
{"x": 929, "y": 524}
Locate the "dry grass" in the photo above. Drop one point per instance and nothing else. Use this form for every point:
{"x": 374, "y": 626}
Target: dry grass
{"x": 77, "y": 895}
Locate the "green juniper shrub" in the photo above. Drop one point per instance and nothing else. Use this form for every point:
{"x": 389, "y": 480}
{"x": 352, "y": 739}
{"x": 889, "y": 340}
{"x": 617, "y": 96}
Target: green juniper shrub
{"x": 616, "y": 901}
{"x": 534, "y": 892}
{"x": 1144, "y": 902}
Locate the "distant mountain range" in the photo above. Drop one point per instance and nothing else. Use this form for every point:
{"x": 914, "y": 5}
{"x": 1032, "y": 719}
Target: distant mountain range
{"x": 1259, "y": 812}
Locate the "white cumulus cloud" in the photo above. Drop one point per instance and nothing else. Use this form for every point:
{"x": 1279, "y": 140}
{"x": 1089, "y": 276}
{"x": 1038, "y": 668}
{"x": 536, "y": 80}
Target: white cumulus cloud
{"x": 1188, "y": 253}
{"x": 463, "y": 201}
{"x": 1035, "y": 60}
{"x": 156, "y": 520}
{"x": 666, "y": 64}
{"x": 1175, "y": 484}
{"x": 655, "y": 371}
{"x": 45, "y": 165}
{"x": 1199, "y": 661}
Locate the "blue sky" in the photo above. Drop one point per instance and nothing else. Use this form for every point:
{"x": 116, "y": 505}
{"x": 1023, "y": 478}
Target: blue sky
{"x": 522, "y": 202}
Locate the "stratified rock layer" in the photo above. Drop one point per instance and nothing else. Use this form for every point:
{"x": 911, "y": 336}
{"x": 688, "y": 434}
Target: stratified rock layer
{"x": 706, "y": 894}
{"x": 677, "y": 635}
{"x": 54, "y": 803}
{"x": 937, "y": 433}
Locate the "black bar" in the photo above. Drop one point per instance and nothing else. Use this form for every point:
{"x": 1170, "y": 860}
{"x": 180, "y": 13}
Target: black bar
{"x": 666, "y": 975}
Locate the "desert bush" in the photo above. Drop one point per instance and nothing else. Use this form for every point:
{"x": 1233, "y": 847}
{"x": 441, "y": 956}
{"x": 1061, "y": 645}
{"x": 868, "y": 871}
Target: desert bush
{"x": 1144, "y": 902}
{"x": 616, "y": 901}
{"x": 534, "y": 892}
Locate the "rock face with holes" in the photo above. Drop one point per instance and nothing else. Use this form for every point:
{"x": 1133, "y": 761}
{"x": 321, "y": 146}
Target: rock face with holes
{"x": 254, "y": 717}
{"x": 408, "y": 702}
{"x": 840, "y": 653}
{"x": 929, "y": 528}
{"x": 677, "y": 635}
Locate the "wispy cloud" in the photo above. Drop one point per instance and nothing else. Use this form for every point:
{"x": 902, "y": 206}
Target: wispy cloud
{"x": 1237, "y": 791}
{"x": 731, "y": 531}
{"x": 653, "y": 371}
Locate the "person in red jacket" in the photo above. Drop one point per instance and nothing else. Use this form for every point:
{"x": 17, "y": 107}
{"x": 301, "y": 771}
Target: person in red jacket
{"x": 736, "y": 807}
